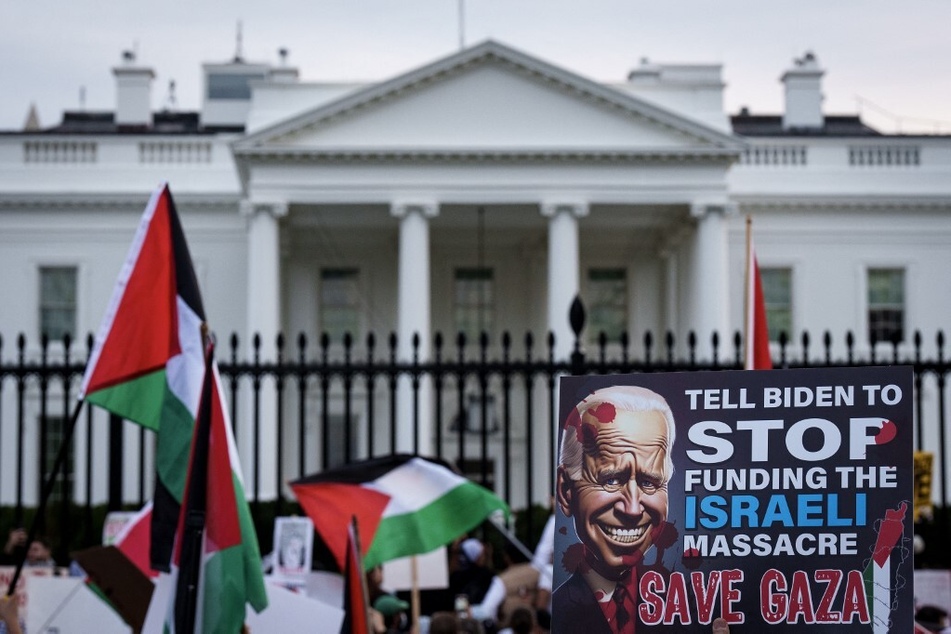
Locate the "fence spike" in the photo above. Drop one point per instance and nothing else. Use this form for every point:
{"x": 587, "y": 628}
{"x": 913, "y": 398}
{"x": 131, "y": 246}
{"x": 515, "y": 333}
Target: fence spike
{"x": 576, "y": 316}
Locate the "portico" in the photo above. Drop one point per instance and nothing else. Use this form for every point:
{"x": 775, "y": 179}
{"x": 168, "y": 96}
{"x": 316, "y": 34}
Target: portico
{"x": 491, "y": 162}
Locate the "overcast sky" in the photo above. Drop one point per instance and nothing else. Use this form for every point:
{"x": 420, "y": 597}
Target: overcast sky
{"x": 889, "y": 58}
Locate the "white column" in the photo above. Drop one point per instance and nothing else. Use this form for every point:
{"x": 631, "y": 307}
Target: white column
{"x": 671, "y": 252}
{"x": 563, "y": 263}
{"x": 414, "y": 317}
{"x": 710, "y": 310}
{"x": 264, "y": 318}
{"x": 671, "y": 294}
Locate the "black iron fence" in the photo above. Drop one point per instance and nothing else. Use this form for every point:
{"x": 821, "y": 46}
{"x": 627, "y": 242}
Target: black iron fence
{"x": 489, "y": 407}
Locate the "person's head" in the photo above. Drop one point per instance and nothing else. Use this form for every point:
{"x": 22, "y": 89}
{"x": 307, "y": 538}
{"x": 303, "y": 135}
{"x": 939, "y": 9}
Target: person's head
{"x": 613, "y": 471}
{"x": 392, "y": 608}
{"x": 522, "y": 620}
{"x": 444, "y": 623}
{"x": 474, "y": 551}
{"x": 932, "y": 617}
{"x": 39, "y": 552}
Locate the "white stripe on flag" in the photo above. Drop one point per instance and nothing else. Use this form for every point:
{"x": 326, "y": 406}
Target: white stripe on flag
{"x": 414, "y": 485}
{"x": 881, "y": 597}
{"x": 184, "y": 372}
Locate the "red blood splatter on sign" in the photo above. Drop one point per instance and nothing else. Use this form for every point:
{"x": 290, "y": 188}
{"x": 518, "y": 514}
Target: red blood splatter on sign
{"x": 574, "y": 421}
{"x": 664, "y": 535}
{"x": 605, "y": 413}
{"x": 692, "y": 559}
{"x": 589, "y": 435}
{"x": 574, "y": 560}
{"x": 887, "y": 433}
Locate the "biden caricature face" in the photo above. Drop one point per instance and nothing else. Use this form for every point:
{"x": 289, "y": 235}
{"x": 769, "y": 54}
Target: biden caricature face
{"x": 615, "y": 487}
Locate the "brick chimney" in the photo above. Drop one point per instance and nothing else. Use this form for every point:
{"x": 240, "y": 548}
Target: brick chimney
{"x": 133, "y": 93}
{"x": 803, "y": 87}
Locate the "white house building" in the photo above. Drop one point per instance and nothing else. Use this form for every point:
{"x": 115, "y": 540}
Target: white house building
{"x": 483, "y": 191}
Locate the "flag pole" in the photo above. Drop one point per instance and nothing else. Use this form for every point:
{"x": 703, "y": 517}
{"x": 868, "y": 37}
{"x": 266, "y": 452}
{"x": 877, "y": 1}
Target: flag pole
{"x": 414, "y": 593}
{"x": 510, "y": 536}
{"x": 363, "y": 578}
{"x": 47, "y": 491}
{"x": 748, "y": 298}
{"x": 194, "y": 508}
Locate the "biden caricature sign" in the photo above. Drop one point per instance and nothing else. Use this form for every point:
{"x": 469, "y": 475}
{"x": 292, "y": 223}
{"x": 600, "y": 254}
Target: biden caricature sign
{"x": 778, "y": 500}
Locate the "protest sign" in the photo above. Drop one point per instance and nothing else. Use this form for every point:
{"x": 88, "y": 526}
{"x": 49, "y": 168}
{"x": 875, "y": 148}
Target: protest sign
{"x": 293, "y": 550}
{"x": 22, "y": 591}
{"x": 774, "y": 498}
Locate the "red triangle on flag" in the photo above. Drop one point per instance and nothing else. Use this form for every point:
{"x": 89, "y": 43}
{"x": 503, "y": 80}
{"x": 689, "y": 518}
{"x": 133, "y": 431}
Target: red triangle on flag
{"x": 757, "y": 354}
{"x": 147, "y": 312}
{"x": 332, "y": 505}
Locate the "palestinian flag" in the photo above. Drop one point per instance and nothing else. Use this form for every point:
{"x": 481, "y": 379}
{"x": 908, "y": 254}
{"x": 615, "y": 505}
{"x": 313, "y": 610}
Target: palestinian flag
{"x": 757, "y": 355}
{"x": 878, "y": 572}
{"x": 355, "y": 597}
{"x": 405, "y": 505}
{"x": 148, "y": 366}
{"x": 134, "y": 539}
{"x": 216, "y": 558}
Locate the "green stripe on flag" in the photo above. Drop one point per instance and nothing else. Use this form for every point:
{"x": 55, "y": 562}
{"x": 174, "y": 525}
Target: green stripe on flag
{"x": 461, "y": 509}
{"x": 223, "y": 581}
{"x": 255, "y": 592}
{"x": 173, "y": 445}
{"x": 149, "y": 401}
{"x": 138, "y": 400}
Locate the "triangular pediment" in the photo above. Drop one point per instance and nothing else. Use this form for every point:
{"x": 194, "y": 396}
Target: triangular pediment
{"x": 489, "y": 98}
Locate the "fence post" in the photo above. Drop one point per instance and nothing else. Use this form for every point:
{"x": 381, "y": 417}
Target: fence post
{"x": 576, "y": 318}
{"x": 115, "y": 462}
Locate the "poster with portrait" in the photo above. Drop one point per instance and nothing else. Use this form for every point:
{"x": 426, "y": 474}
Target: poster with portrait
{"x": 780, "y": 500}
{"x": 293, "y": 550}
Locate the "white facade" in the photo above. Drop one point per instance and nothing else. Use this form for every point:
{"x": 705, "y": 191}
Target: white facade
{"x": 649, "y": 177}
